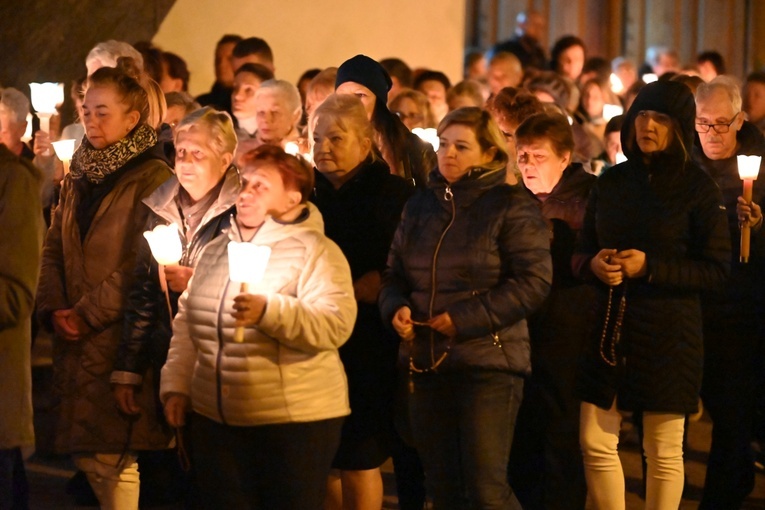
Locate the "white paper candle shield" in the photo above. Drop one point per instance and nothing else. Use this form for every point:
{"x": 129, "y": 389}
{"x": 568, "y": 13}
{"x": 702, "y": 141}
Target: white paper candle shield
{"x": 748, "y": 167}
{"x": 611, "y": 110}
{"x": 620, "y": 157}
{"x": 429, "y": 135}
{"x": 64, "y": 149}
{"x": 247, "y": 262}
{"x": 45, "y": 96}
{"x": 165, "y": 244}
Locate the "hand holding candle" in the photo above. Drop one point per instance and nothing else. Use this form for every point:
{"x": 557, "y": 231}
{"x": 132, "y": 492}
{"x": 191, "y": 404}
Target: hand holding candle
{"x": 64, "y": 151}
{"x": 247, "y": 264}
{"x": 165, "y": 244}
{"x": 748, "y": 170}
{"x": 45, "y": 98}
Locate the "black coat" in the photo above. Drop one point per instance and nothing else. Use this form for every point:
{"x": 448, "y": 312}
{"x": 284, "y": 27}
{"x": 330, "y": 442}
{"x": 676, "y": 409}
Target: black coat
{"x": 740, "y": 306}
{"x": 479, "y": 250}
{"x": 361, "y": 217}
{"x": 558, "y": 326}
{"x": 671, "y": 210}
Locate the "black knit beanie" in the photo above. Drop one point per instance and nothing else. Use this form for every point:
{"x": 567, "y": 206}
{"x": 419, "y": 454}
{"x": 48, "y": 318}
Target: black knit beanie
{"x": 365, "y": 71}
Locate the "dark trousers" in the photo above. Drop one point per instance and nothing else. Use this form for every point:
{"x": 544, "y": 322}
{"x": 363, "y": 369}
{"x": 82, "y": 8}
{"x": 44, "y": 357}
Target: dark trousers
{"x": 728, "y": 394}
{"x": 14, "y": 489}
{"x": 270, "y": 467}
{"x": 546, "y": 468}
{"x": 463, "y": 424}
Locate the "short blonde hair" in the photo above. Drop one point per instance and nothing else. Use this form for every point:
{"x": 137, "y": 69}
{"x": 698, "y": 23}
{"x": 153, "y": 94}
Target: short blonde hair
{"x": 346, "y": 111}
{"x": 218, "y": 124}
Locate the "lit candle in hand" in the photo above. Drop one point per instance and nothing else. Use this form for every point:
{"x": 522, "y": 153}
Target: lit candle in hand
{"x": 748, "y": 170}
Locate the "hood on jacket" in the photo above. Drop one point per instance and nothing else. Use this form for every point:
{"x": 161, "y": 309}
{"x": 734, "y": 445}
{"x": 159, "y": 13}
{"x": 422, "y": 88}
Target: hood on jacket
{"x": 671, "y": 98}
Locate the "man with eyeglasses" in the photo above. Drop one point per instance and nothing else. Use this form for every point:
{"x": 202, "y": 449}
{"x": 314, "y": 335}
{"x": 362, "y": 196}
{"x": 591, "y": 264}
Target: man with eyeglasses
{"x": 733, "y": 324}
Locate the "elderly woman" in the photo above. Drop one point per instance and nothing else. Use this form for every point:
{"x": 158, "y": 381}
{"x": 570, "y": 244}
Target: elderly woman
{"x": 655, "y": 235}
{"x": 267, "y": 409}
{"x": 469, "y": 262}
{"x": 406, "y": 155}
{"x": 546, "y": 434}
{"x": 199, "y": 201}
{"x": 14, "y": 108}
{"x": 361, "y": 203}
{"x": 86, "y": 272}
{"x": 277, "y": 112}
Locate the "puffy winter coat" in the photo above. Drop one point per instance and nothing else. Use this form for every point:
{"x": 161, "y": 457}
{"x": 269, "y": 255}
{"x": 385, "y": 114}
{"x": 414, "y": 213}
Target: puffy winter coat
{"x": 22, "y": 225}
{"x": 93, "y": 275}
{"x": 671, "y": 210}
{"x": 479, "y": 250}
{"x": 288, "y": 368}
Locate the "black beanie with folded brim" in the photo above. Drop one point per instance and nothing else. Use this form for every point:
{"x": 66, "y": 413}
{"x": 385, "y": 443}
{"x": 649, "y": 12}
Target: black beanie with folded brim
{"x": 368, "y": 72}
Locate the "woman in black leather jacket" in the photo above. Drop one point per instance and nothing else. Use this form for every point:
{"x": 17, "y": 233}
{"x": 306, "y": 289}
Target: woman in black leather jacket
{"x": 199, "y": 200}
{"x": 469, "y": 262}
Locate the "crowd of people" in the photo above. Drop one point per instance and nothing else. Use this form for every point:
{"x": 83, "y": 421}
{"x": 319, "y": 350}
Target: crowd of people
{"x": 484, "y": 310}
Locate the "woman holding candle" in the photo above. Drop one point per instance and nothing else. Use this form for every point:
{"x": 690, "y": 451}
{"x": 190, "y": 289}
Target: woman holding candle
{"x": 87, "y": 269}
{"x": 655, "y": 235}
{"x": 361, "y": 203}
{"x": 199, "y": 200}
{"x": 469, "y": 262}
{"x": 267, "y": 411}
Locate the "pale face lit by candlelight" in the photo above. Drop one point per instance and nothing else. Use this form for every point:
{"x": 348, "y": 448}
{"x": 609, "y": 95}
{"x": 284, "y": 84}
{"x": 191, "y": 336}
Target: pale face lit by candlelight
{"x": 653, "y": 131}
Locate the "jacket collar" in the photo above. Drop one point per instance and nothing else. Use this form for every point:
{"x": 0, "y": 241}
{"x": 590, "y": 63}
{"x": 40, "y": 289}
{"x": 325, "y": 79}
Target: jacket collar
{"x": 162, "y": 201}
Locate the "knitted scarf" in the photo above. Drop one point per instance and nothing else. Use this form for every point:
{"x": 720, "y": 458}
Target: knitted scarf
{"x": 95, "y": 164}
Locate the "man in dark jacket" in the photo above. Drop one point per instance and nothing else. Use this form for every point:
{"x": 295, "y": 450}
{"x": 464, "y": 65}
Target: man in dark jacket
{"x": 22, "y": 226}
{"x": 219, "y": 96}
{"x": 733, "y": 326}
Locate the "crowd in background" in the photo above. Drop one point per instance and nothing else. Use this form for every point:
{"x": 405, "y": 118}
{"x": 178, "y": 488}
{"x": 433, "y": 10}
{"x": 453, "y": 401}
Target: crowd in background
{"x": 483, "y": 304}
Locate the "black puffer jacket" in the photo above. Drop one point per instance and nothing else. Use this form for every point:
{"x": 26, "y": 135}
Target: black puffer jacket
{"x": 148, "y": 324}
{"x": 741, "y": 305}
{"x": 479, "y": 250}
{"x": 671, "y": 210}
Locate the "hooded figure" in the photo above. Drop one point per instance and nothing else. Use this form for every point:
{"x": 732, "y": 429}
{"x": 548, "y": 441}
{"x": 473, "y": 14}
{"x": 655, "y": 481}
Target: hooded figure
{"x": 655, "y": 235}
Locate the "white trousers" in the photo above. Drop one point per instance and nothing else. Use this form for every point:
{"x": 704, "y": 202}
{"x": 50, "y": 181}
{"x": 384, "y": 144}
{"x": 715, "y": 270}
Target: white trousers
{"x": 115, "y": 484}
{"x": 663, "y": 446}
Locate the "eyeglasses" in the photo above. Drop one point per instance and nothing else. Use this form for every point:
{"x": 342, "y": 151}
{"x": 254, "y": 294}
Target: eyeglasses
{"x": 720, "y": 128}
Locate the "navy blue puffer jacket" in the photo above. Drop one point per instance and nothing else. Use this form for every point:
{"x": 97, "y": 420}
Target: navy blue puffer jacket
{"x": 479, "y": 250}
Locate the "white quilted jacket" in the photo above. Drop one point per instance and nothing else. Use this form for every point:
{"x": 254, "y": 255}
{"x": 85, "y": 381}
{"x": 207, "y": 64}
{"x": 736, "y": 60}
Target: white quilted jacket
{"x": 288, "y": 368}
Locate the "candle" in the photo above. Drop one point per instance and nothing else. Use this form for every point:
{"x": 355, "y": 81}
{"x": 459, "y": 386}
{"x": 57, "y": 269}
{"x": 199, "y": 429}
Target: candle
{"x": 748, "y": 170}
{"x": 165, "y": 244}
{"x": 45, "y": 98}
{"x": 429, "y": 135}
{"x": 611, "y": 110}
{"x": 64, "y": 150}
{"x": 246, "y": 265}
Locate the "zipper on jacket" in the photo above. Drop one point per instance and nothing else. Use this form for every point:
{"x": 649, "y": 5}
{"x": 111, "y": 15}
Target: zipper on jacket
{"x": 218, "y": 374}
{"x": 449, "y": 197}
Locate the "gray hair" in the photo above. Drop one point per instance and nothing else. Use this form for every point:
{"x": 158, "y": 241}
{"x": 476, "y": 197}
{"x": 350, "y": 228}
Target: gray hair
{"x": 218, "y": 124}
{"x": 15, "y": 103}
{"x": 286, "y": 89}
{"x": 109, "y": 51}
{"x": 182, "y": 99}
{"x": 654, "y": 53}
{"x": 727, "y": 84}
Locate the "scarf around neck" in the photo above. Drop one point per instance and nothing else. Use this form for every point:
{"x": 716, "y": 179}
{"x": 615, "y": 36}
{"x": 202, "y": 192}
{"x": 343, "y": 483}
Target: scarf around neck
{"x": 96, "y": 164}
